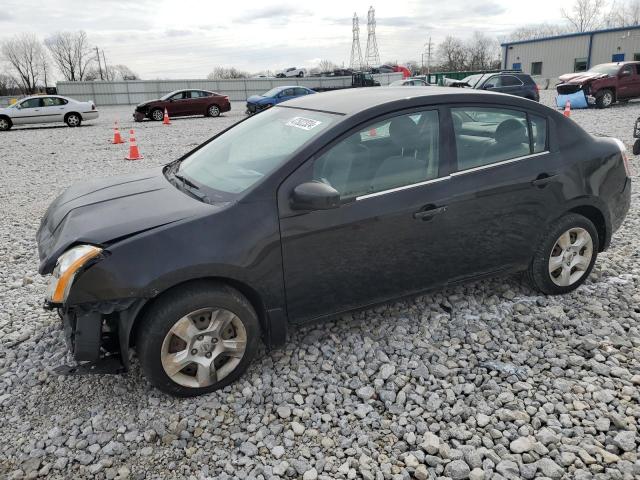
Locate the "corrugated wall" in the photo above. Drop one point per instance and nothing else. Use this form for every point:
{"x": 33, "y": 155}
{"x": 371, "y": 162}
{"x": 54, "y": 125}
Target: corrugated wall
{"x": 607, "y": 44}
{"x": 137, "y": 91}
{"x": 558, "y": 55}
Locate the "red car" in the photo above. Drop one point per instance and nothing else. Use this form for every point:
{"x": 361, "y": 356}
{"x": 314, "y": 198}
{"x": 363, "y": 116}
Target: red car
{"x": 604, "y": 84}
{"x": 181, "y": 103}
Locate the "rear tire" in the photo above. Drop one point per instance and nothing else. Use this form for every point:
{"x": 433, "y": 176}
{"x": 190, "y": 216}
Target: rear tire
{"x": 605, "y": 99}
{"x": 566, "y": 255}
{"x": 157, "y": 114}
{"x": 213, "y": 111}
{"x": 73, "y": 119}
{"x": 213, "y": 320}
{"x": 5, "y": 124}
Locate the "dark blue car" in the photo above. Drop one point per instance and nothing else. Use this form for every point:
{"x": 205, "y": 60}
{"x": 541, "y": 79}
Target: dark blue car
{"x": 276, "y": 95}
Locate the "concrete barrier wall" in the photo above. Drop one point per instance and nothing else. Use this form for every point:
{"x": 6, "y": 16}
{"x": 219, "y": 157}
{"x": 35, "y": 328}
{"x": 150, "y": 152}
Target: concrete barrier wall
{"x": 132, "y": 92}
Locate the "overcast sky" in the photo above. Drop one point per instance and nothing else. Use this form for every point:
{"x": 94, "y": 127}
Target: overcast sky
{"x": 186, "y": 39}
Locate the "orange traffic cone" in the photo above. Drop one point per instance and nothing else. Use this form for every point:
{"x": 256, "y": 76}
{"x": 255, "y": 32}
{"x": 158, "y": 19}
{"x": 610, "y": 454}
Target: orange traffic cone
{"x": 134, "y": 154}
{"x": 116, "y": 134}
{"x": 165, "y": 119}
{"x": 567, "y": 109}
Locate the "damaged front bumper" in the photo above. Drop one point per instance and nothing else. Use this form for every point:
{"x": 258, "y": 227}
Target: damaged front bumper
{"x": 98, "y": 335}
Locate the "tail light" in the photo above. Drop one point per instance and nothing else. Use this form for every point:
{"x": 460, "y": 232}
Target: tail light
{"x": 625, "y": 157}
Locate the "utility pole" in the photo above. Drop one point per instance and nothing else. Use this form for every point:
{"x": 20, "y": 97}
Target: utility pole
{"x": 428, "y": 45}
{"x": 106, "y": 72}
{"x": 99, "y": 65}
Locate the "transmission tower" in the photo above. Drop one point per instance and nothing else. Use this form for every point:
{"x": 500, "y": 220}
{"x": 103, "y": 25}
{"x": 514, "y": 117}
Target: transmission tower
{"x": 356, "y": 53}
{"x": 372, "y": 56}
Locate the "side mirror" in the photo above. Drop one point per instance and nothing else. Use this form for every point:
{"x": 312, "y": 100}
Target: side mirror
{"x": 314, "y": 196}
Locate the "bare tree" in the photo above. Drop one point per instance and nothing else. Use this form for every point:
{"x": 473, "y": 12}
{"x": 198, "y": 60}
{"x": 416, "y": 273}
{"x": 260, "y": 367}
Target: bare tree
{"x": 452, "y": 54}
{"x": 530, "y": 32}
{"x": 23, "y": 53}
{"x": 223, "y": 73}
{"x": 8, "y": 85}
{"x": 481, "y": 51}
{"x": 326, "y": 66}
{"x": 623, "y": 14}
{"x": 584, "y": 15}
{"x": 71, "y": 54}
{"x": 125, "y": 73}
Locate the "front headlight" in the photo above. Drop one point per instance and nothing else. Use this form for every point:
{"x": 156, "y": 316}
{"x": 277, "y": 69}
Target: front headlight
{"x": 68, "y": 264}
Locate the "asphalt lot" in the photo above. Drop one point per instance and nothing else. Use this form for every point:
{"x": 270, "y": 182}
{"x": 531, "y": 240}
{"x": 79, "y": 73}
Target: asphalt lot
{"x": 395, "y": 392}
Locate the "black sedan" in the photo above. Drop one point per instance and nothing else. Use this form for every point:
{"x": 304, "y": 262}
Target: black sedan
{"x": 324, "y": 204}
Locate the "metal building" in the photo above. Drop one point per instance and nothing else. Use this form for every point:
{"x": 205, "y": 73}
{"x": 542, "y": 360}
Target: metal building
{"x": 548, "y": 58}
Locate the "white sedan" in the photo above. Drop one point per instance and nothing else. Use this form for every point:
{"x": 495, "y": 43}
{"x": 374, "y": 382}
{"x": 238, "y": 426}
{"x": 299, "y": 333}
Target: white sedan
{"x": 47, "y": 109}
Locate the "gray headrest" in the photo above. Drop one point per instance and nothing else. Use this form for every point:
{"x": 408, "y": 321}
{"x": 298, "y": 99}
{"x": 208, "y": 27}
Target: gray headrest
{"x": 404, "y": 132}
{"x": 511, "y": 132}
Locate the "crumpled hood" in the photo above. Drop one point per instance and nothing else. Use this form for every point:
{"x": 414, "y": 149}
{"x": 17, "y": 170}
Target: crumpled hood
{"x": 256, "y": 99}
{"x": 147, "y": 102}
{"x": 103, "y": 210}
{"x": 580, "y": 77}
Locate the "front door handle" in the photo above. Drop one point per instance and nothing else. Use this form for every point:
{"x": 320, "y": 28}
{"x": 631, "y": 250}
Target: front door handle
{"x": 543, "y": 180}
{"x": 429, "y": 213}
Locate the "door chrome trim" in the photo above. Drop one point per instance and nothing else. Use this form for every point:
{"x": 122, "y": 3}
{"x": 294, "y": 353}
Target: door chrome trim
{"x": 497, "y": 164}
{"x": 404, "y": 187}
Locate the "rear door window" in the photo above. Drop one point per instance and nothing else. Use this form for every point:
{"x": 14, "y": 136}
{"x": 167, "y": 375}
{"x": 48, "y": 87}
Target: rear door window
{"x": 510, "y": 81}
{"x": 489, "y": 135}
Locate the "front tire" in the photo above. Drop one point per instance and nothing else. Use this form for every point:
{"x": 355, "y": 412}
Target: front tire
{"x": 157, "y": 114}
{"x": 566, "y": 255}
{"x": 197, "y": 339}
{"x": 213, "y": 111}
{"x": 73, "y": 120}
{"x": 5, "y": 124}
{"x": 605, "y": 99}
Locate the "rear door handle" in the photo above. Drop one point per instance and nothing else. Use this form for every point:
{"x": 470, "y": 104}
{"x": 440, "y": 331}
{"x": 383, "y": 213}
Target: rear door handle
{"x": 429, "y": 213}
{"x": 543, "y": 179}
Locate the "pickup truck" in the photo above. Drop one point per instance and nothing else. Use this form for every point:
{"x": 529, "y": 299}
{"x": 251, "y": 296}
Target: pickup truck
{"x": 604, "y": 84}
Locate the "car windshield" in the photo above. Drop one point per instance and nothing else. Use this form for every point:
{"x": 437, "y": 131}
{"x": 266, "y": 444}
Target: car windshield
{"x": 272, "y": 92}
{"x": 170, "y": 94}
{"x": 245, "y": 154}
{"x": 605, "y": 68}
{"x": 472, "y": 80}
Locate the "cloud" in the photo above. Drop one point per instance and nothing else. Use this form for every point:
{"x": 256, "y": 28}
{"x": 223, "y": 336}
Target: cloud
{"x": 277, "y": 13}
{"x": 5, "y": 16}
{"x": 173, "y": 32}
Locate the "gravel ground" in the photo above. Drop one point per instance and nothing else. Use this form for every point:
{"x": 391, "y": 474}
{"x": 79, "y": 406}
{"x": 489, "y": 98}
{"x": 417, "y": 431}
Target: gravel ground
{"x": 486, "y": 380}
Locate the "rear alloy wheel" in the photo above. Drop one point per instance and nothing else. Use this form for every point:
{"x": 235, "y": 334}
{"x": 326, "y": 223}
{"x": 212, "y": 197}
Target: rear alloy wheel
{"x": 604, "y": 99}
{"x": 197, "y": 340}
{"x": 73, "y": 120}
{"x": 213, "y": 111}
{"x": 566, "y": 256}
{"x": 157, "y": 115}
{"x": 5, "y": 124}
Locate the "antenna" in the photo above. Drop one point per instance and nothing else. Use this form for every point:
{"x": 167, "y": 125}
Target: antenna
{"x": 356, "y": 53}
{"x": 372, "y": 56}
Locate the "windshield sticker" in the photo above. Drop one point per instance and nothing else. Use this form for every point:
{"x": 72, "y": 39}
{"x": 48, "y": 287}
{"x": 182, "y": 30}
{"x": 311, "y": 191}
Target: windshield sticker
{"x": 303, "y": 123}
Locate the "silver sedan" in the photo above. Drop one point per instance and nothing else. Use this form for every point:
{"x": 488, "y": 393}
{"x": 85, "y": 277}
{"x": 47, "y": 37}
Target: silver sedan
{"x": 47, "y": 109}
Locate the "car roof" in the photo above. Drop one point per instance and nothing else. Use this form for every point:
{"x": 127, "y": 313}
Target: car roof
{"x": 353, "y": 100}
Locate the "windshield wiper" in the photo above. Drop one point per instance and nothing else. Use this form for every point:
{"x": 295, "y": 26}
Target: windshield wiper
{"x": 184, "y": 183}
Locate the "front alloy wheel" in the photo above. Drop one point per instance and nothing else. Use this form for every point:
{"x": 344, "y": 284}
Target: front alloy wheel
{"x": 4, "y": 124}
{"x": 605, "y": 99}
{"x": 565, "y": 256}
{"x": 197, "y": 338}
{"x": 157, "y": 115}
{"x": 203, "y": 347}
